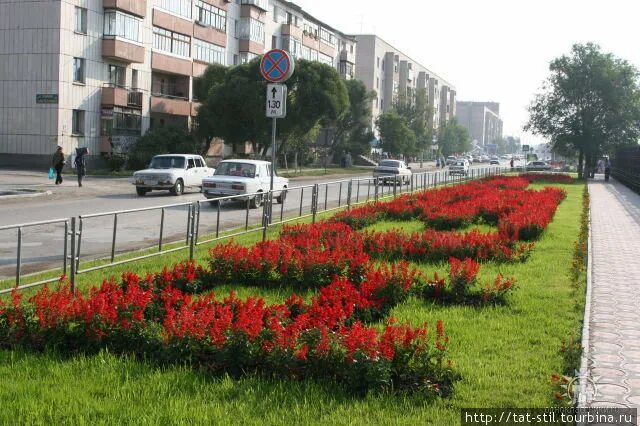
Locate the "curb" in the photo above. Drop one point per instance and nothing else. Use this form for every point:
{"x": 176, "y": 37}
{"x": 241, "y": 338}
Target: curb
{"x": 31, "y": 194}
{"x": 584, "y": 361}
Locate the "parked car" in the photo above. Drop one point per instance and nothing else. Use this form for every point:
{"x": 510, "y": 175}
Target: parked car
{"x": 238, "y": 177}
{"x": 460, "y": 167}
{"x": 172, "y": 172}
{"x": 451, "y": 160}
{"x": 538, "y": 166}
{"x": 393, "y": 170}
{"x": 477, "y": 159}
{"x": 494, "y": 160}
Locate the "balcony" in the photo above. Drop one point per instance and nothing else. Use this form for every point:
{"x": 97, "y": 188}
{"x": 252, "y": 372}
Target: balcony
{"x": 251, "y": 46}
{"x": 170, "y": 95}
{"x": 121, "y": 96}
{"x": 327, "y": 49}
{"x": 121, "y": 50}
{"x": 135, "y": 7}
{"x": 347, "y": 56}
{"x": 291, "y": 30}
{"x": 260, "y": 4}
{"x": 171, "y": 64}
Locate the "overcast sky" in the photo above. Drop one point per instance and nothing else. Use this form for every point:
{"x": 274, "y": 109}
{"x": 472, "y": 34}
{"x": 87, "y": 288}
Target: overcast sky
{"x": 491, "y": 50}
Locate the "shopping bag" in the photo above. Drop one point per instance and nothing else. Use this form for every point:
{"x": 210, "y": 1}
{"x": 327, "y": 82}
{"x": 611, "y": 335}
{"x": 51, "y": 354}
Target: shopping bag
{"x": 52, "y": 173}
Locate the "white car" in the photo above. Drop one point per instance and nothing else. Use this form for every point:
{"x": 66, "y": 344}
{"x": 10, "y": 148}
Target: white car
{"x": 237, "y": 177}
{"x": 392, "y": 170}
{"x": 172, "y": 172}
{"x": 460, "y": 167}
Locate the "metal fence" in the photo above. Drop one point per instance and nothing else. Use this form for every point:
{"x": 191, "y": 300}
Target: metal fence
{"x": 626, "y": 167}
{"x": 198, "y": 223}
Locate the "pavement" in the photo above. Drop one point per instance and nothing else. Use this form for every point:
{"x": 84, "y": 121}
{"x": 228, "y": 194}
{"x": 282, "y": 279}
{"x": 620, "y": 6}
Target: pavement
{"x": 612, "y": 349}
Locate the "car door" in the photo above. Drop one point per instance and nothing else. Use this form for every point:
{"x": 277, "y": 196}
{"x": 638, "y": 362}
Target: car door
{"x": 191, "y": 174}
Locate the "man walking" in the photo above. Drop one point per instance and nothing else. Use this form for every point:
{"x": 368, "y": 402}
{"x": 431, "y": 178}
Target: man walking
{"x": 57, "y": 162}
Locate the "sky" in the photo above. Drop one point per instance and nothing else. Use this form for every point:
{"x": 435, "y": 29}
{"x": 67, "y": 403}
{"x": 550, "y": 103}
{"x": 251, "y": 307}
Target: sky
{"x": 490, "y": 50}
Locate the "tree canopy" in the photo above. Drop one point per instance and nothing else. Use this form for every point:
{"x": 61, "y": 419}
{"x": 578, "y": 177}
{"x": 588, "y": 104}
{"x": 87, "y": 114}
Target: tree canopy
{"x": 397, "y": 137}
{"x": 589, "y": 104}
{"x": 453, "y": 138}
{"x": 233, "y": 103}
{"x": 353, "y": 129}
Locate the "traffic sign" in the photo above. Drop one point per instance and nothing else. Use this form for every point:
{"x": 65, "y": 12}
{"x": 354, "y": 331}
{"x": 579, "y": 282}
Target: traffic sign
{"x": 277, "y": 66}
{"x": 525, "y": 148}
{"x": 276, "y": 100}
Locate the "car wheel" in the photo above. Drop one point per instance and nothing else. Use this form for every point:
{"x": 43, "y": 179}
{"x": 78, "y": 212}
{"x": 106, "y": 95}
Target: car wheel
{"x": 283, "y": 196}
{"x": 257, "y": 201}
{"x": 178, "y": 188}
{"x": 141, "y": 191}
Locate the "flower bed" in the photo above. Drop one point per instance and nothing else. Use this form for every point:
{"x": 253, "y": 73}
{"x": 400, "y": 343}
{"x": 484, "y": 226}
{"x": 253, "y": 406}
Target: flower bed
{"x": 323, "y": 339}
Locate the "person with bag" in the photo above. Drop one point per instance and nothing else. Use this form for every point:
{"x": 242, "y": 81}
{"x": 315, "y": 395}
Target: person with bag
{"x": 80, "y": 164}
{"x": 57, "y": 162}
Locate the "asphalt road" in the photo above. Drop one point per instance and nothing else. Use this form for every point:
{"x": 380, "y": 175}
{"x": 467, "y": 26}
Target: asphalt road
{"x": 43, "y": 246}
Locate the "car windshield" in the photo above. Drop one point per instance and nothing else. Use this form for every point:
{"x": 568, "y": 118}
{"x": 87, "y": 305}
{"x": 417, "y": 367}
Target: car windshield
{"x": 390, "y": 163}
{"x": 236, "y": 169}
{"x": 167, "y": 163}
{"x": 460, "y": 163}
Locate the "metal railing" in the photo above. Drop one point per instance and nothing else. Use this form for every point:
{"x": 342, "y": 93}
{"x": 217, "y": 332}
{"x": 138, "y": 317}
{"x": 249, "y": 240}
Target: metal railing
{"x": 200, "y": 222}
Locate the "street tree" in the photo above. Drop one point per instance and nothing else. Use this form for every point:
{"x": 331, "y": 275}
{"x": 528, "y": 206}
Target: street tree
{"x": 397, "y": 137}
{"x": 589, "y": 104}
{"x": 353, "y": 129}
{"x": 453, "y": 138}
{"x": 233, "y": 104}
{"x": 415, "y": 110}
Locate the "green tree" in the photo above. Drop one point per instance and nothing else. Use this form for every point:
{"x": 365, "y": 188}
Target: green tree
{"x": 416, "y": 110}
{"x": 353, "y": 129}
{"x": 233, "y": 104}
{"x": 397, "y": 137}
{"x": 512, "y": 145}
{"x": 163, "y": 140}
{"x": 589, "y": 104}
{"x": 453, "y": 138}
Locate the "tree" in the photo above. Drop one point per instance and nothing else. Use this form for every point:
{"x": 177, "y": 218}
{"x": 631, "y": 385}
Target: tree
{"x": 233, "y": 104}
{"x": 353, "y": 129}
{"x": 163, "y": 140}
{"x": 512, "y": 145}
{"x": 453, "y": 138}
{"x": 416, "y": 112}
{"x": 589, "y": 104}
{"x": 397, "y": 138}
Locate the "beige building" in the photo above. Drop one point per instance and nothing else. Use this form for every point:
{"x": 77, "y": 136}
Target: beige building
{"x": 482, "y": 119}
{"x": 100, "y": 73}
{"x": 390, "y": 73}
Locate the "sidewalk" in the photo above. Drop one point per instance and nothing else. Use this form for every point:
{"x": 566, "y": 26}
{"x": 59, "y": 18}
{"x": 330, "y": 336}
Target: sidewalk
{"x": 613, "y": 351}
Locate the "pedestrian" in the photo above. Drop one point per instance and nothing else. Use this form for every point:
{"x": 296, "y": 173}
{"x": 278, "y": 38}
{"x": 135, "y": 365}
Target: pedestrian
{"x": 57, "y": 162}
{"x": 511, "y": 163}
{"x": 80, "y": 164}
{"x": 607, "y": 170}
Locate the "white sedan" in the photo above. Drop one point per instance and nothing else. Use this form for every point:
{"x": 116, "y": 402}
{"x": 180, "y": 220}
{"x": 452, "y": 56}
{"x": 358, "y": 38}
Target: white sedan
{"x": 173, "y": 173}
{"x": 238, "y": 177}
{"x": 393, "y": 170}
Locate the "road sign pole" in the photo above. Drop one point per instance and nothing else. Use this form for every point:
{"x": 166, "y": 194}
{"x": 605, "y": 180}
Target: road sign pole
{"x": 273, "y": 150}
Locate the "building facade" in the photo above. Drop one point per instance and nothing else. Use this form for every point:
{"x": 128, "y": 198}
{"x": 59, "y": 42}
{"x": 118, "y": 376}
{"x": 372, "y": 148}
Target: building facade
{"x": 100, "y": 73}
{"x": 391, "y": 74}
{"x": 482, "y": 119}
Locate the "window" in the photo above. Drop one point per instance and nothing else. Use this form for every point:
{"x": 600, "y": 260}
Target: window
{"x": 207, "y": 52}
{"x": 251, "y": 29}
{"x": 171, "y": 42}
{"x": 179, "y": 7}
{"x": 134, "y": 79}
{"x": 378, "y": 62}
{"x": 199, "y": 162}
{"x": 210, "y": 15}
{"x": 78, "y": 70}
{"x": 246, "y": 57}
{"x": 274, "y": 42}
{"x": 118, "y": 24}
{"x": 77, "y": 122}
{"x": 81, "y": 20}
{"x": 117, "y": 76}
{"x": 327, "y": 37}
{"x": 191, "y": 164}
{"x": 377, "y": 83}
{"x": 325, "y": 59}
{"x": 126, "y": 122}
{"x": 293, "y": 46}
{"x": 346, "y": 69}
{"x": 262, "y": 4}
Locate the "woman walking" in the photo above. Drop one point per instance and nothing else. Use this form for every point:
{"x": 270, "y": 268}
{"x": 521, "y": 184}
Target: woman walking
{"x": 57, "y": 162}
{"x": 80, "y": 163}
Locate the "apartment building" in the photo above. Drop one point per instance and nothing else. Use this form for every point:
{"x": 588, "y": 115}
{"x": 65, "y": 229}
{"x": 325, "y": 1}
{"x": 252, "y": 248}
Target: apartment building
{"x": 390, "y": 73}
{"x": 100, "y": 73}
{"x": 482, "y": 119}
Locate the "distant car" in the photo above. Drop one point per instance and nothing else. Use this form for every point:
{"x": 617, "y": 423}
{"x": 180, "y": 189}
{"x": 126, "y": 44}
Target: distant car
{"x": 451, "y": 160}
{"x": 460, "y": 167}
{"x": 539, "y": 166}
{"x": 238, "y": 177}
{"x": 484, "y": 159}
{"x": 393, "y": 170}
{"x": 494, "y": 162}
{"x": 172, "y": 172}
{"x": 477, "y": 159}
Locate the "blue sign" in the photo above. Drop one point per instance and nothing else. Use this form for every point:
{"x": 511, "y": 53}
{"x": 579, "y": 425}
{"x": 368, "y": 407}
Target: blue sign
{"x": 277, "y": 66}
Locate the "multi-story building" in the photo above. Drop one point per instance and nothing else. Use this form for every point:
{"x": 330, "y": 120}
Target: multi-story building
{"x": 482, "y": 119}
{"x": 391, "y": 74}
{"x": 100, "y": 73}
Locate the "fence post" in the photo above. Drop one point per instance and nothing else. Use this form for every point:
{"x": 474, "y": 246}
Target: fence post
{"x": 193, "y": 233}
{"x": 72, "y": 278}
{"x": 19, "y": 257}
{"x": 66, "y": 247}
{"x": 76, "y": 253}
{"x": 375, "y": 193}
{"x": 115, "y": 233}
{"x": 349, "y": 189}
{"x": 314, "y": 202}
{"x": 265, "y": 218}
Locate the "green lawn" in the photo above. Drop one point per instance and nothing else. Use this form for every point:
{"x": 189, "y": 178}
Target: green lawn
{"x": 505, "y": 354}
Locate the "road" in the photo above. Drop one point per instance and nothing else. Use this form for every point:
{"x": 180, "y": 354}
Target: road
{"x": 43, "y": 246}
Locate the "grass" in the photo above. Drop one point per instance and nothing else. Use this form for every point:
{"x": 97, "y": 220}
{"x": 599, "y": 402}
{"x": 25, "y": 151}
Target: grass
{"x": 506, "y": 355}
{"x": 320, "y": 171}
